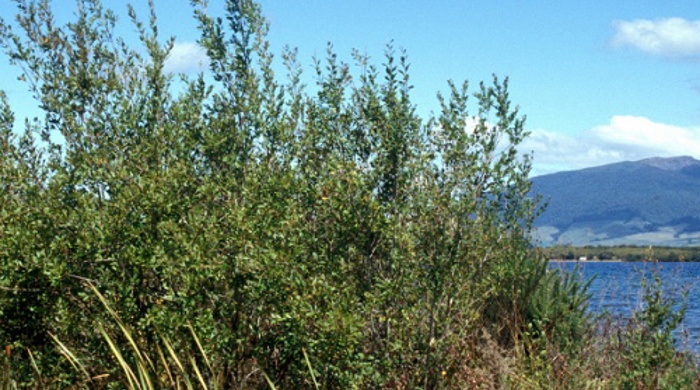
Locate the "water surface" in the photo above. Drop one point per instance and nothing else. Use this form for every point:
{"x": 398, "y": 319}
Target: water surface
{"x": 617, "y": 288}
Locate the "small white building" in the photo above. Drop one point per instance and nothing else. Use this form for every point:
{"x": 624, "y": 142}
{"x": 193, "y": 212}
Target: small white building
{"x": 583, "y": 258}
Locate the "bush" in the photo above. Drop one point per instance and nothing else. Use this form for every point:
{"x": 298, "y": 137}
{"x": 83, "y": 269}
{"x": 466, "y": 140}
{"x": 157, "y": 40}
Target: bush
{"x": 329, "y": 238}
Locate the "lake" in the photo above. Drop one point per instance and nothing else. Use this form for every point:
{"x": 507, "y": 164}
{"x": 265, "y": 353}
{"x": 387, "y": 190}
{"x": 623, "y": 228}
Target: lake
{"x": 617, "y": 288}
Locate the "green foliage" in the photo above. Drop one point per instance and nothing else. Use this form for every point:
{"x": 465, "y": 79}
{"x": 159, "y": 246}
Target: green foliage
{"x": 140, "y": 371}
{"x": 636, "y": 353}
{"x": 325, "y": 239}
{"x": 646, "y": 346}
{"x": 559, "y": 310}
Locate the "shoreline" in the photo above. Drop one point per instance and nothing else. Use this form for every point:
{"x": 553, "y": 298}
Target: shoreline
{"x": 589, "y": 261}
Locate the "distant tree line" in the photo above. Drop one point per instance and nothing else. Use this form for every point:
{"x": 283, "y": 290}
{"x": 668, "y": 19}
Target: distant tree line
{"x": 624, "y": 253}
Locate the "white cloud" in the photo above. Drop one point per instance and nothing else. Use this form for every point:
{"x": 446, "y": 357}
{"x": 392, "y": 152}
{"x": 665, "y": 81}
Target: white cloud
{"x": 671, "y": 37}
{"x": 646, "y": 136}
{"x": 186, "y": 56}
{"x": 553, "y": 152}
{"x": 625, "y": 138}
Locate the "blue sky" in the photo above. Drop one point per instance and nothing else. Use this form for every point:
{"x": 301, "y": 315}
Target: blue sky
{"x": 599, "y": 81}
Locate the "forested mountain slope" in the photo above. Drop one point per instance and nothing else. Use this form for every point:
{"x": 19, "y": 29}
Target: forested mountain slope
{"x": 654, "y": 201}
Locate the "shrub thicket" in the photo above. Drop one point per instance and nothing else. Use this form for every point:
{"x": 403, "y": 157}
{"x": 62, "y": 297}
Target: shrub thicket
{"x": 332, "y": 229}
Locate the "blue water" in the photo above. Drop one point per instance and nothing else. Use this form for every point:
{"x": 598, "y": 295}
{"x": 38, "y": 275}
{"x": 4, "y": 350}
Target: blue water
{"x": 617, "y": 288}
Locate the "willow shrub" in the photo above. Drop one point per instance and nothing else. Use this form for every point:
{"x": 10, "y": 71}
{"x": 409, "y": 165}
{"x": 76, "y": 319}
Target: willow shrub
{"x": 273, "y": 217}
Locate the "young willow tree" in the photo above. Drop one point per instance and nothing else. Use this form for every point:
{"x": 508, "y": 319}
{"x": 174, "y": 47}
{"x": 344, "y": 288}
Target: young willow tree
{"x": 273, "y": 219}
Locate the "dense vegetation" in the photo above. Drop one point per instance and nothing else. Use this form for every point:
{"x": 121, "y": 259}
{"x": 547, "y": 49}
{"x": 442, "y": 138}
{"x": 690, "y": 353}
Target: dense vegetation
{"x": 241, "y": 230}
{"x": 623, "y": 253}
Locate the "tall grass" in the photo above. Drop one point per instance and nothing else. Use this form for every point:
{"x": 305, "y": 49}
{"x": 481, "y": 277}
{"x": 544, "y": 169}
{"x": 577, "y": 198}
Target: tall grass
{"x": 137, "y": 367}
{"x": 141, "y": 369}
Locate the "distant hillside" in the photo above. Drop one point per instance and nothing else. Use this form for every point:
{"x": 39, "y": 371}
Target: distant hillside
{"x": 654, "y": 201}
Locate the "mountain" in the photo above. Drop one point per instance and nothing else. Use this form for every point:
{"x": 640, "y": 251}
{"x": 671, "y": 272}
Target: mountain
{"x": 655, "y": 201}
